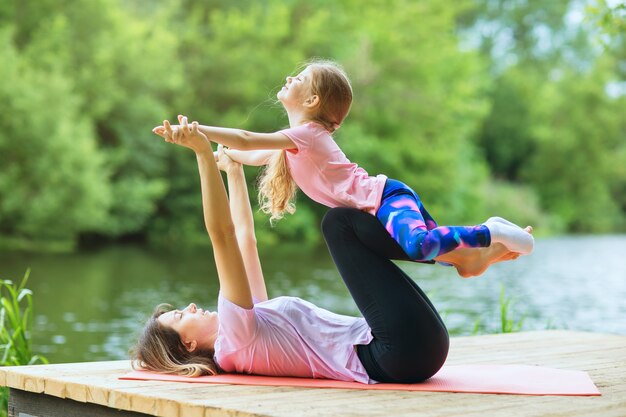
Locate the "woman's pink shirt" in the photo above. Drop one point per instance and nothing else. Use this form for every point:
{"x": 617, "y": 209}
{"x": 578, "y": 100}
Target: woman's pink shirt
{"x": 288, "y": 336}
{"x": 324, "y": 173}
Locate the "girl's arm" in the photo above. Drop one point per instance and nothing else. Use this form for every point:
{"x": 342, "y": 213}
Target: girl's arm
{"x": 233, "y": 138}
{"x": 244, "y": 223}
{"x": 252, "y": 158}
{"x": 245, "y": 140}
{"x": 231, "y": 271}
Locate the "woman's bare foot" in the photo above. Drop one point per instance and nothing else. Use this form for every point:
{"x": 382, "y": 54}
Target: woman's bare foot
{"x": 471, "y": 262}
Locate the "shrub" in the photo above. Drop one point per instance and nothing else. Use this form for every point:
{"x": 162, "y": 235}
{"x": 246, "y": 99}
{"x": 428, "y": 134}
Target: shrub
{"x": 16, "y": 314}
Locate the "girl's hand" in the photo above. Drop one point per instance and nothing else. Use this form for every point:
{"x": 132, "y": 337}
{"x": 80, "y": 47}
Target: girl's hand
{"x": 183, "y": 135}
{"x": 225, "y": 162}
{"x": 167, "y": 131}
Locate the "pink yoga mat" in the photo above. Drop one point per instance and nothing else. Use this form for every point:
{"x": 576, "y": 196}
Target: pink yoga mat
{"x": 485, "y": 379}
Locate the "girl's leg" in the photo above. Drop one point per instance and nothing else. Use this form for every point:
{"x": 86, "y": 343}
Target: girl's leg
{"x": 407, "y": 221}
{"x": 410, "y": 339}
{"x": 468, "y": 262}
{"x": 473, "y": 262}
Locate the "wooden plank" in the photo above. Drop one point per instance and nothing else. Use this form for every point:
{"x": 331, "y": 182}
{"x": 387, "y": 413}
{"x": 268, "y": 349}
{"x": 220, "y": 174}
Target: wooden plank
{"x": 24, "y": 403}
{"x": 603, "y": 356}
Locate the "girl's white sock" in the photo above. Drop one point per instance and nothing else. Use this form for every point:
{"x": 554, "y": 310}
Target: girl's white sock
{"x": 501, "y": 220}
{"x": 510, "y": 235}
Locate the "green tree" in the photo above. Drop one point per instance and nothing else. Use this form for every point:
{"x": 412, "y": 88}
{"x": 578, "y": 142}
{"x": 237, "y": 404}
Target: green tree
{"x": 53, "y": 182}
{"x": 553, "y": 123}
{"x": 121, "y": 74}
{"x": 578, "y": 122}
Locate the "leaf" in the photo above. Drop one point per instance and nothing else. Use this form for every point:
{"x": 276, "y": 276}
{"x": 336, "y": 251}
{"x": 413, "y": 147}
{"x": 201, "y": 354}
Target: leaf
{"x": 23, "y": 293}
{"x": 15, "y": 319}
{"x": 24, "y": 280}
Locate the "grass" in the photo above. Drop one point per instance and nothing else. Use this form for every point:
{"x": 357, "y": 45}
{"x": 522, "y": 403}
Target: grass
{"x": 508, "y": 322}
{"x": 16, "y": 314}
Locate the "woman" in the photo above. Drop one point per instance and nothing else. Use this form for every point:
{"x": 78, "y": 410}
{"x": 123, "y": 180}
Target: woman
{"x": 400, "y": 339}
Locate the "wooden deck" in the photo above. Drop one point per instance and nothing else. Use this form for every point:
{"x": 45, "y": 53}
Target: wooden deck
{"x": 87, "y": 384}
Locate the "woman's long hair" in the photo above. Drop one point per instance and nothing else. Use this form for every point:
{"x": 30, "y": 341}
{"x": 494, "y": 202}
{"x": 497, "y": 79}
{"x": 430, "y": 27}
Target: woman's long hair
{"x": 330, "y": 83}
{"x": 160, "y": 349}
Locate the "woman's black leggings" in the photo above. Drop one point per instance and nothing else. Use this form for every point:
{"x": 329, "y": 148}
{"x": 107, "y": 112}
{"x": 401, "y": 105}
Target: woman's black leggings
{"x": 410, "y": 340}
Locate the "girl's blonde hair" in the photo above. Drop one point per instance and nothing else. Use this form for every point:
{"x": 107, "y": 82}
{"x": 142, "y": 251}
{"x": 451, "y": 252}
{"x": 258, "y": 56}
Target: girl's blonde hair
{"x": 330, "y": 83}
{"x": 160, "y": 349}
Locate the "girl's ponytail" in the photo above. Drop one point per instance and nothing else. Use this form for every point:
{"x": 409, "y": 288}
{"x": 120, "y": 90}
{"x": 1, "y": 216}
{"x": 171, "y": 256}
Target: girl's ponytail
{"x": 277, "y": 188}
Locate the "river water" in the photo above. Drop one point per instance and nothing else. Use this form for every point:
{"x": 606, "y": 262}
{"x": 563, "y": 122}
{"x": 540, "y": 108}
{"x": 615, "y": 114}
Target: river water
{"x": 90, "y": 305}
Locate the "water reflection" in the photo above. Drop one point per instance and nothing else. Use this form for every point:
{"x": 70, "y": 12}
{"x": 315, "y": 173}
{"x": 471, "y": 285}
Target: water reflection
{"x": 90, "y": 305}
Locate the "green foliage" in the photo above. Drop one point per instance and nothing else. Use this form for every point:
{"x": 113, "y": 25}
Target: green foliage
{"x": 505, "y": 136}
{"x": 53, "y": 182}
{"x": 294, "y": 228}
{"x": 610, "y": 20}
{"x": 16, "y": 314}
{"x": 520, "y": 204}
{"x": 554, "y": 124}
{"x": 448, "y": 97}
{"x": 583, "y": 185}
{"x": 101, "y": 169}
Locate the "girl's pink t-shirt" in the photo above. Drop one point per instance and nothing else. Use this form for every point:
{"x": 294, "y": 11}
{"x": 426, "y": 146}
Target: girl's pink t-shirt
{"x": 324, "y": 173}
{"x": 288, "y": 336}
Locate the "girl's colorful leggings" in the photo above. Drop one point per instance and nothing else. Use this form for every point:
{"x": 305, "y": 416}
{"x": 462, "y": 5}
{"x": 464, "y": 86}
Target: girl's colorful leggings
{"x": 407, "y": 221}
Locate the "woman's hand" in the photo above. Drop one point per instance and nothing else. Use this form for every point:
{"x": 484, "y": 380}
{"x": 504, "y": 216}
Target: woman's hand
{"x": 225, "y": 162}
{"x": 183, "y": 135}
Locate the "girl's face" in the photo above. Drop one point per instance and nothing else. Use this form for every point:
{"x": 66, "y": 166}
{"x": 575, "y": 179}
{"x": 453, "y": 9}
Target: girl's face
{"x": 296, "y": 90}
{"x": 193, "y": 324}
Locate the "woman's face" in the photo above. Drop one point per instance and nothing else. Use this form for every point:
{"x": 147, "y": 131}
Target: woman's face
{"x": 296, "y": 89}
{"x": 196, "y": 327}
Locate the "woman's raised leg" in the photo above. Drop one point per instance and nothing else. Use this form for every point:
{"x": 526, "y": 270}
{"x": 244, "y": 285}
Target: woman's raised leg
{"x": 410, "y": 339}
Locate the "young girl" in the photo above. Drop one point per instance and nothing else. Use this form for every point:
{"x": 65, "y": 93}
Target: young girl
{"x": 317, "y": 101}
